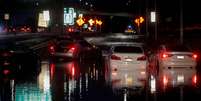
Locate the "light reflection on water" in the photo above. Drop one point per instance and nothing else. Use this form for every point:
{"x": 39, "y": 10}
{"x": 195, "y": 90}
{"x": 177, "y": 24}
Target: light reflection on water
{"x": 56, "y": 82}
{"x": 37, "y": 90}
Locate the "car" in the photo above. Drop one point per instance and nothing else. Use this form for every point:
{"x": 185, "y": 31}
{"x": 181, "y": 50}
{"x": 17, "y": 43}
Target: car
{"x": 74, "y": 48}
{"x": 127, "y": 67}
{"x": 174, "y": 65}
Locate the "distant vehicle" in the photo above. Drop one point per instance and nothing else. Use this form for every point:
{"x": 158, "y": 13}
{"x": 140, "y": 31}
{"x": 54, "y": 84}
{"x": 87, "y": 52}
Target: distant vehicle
{"x": 17, "y": 59}
{"x": 73, "y": 48}
{"x": 127, "y": 67}
{"x": 174, "y": 65}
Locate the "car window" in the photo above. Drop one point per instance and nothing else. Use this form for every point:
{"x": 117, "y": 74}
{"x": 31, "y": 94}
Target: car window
{"x": 127, "y": 49}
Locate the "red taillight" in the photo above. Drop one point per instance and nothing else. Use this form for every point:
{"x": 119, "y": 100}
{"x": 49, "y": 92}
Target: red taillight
{"x": 165, "y": 80}
{"x": 195, "y": 56}
{"x": 6, "y": 72}
{"x": 114, "y": 57}
{"x": 72, "y": 50}
{"x": 194, "y": 79}
{"x": 6, "y": 54}
{"x": 164, "y": 55}
{"x": 142, "y": 58}
{"x": 52, "y": 49}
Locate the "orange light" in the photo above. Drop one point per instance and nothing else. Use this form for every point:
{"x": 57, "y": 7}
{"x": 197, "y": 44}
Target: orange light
{"x": 137, "y": 22}
{"x": 99, "y": 22}
{"x": 80, "y": 21}
{"x": 91, "y": 22}
{"x": 141, "y": 19}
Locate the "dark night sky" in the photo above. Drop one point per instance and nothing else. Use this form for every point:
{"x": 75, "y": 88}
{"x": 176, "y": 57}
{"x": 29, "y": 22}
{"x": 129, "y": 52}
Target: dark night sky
{"x": 168, "y": 10}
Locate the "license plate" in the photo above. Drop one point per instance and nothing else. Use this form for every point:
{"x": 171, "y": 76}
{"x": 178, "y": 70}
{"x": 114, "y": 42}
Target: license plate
{"x": 180, "y": 78}
{"x": 180, "y": 57}
{"x": 129, "y": 81}
{"x": 129, "y": 60}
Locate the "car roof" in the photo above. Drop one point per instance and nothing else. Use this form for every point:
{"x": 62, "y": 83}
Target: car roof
{"x": 127, "y": 44}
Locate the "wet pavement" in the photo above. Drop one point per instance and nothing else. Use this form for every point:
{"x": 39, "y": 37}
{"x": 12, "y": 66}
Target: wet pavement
{"x": 74, "y": 81}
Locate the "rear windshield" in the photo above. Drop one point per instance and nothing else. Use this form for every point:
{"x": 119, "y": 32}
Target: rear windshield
{"x": 128, "y": 49}
{"x": 65, "y": 42}
{"x": 178, "y": 48}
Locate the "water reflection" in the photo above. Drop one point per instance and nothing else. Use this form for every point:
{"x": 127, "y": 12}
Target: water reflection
{"x": 75, "y": 78}
{"x": 36, "y": 90}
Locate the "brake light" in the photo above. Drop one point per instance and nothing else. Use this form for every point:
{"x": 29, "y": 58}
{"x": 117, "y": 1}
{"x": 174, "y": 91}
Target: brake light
{"x": 164, "y": 55}
{"x": 6, "y": 72}
{"x": 165, "y": 80}
{"x": 142, "y": 58}
{"x": 114, "y": 57}
{"x": 195, "y": 56}
{"x": 52, "y": 49}
{"x": 194, "y": 79}
{"x": 72, "y": 50}
{"x": 6, "y": 54}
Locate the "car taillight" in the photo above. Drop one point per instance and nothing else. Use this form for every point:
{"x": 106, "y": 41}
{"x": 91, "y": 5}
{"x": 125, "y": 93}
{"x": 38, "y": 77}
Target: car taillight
{"x": 6, "y": 72}
{"x": 6, "y": 54}
{"x": 164, "y": 55}
{"x": 194, "y": 56}
{"x": 114, "y": 57}
{"x": 142, "y": 58}
{"x": 52, "y": 49}
{"x": 194, "y": 79}
{"x": 72, "y": 50}
{"x": 165, "y": 80}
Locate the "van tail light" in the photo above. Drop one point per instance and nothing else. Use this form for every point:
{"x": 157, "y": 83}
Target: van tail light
{"x": 165, "y": 80}
{"x": 194, "y": 79}
{"x": 114, "y": 57}
{"x": 142, "y": 58}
